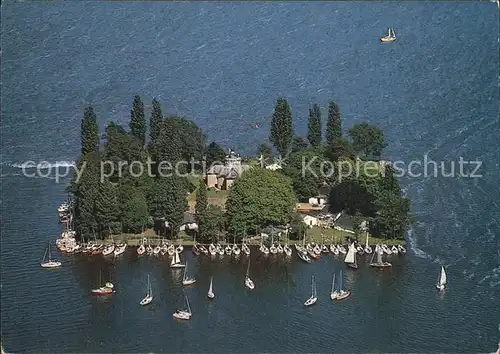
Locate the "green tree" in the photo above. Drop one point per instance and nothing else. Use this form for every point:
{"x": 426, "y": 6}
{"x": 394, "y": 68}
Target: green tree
{"x": 393, "y": 215}
{"x": 201, "y": 208}
{"x": 367, "y": 140}
{"x": 259, "y": 197}
{"x": 304, "y": 168}
{"x": 333, "y": 124}
{"x": 168, "y": 200}
{"x": 281, "y": 127}
{"x": 298, "y": 144}
{"x": 314, "y": 126}
{"x": 213, "y": 224}
{"x": 138, "y": 120}
{"x": 155, "y": 122}
{"x": 389, "y": 181}
{"x": 297, "y": 227}
{"x": 134, "y": 211}
{"x": 106, "y": 208}
{"x": 89, "y": 132}
{"x": 357, "y": 221}
{"x": 214, "y": 153}
{"x": 340, "y": 148}
{"x": 85, "y": 189}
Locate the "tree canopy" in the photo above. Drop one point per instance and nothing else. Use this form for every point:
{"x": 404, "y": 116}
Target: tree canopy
{"x": 260, "y": 197}
{"x": 281, "y": 126}
{"x": 214, "y": 153}
{"x": 138, "y": 120}
{"x": 367, "y": 140}
{"x": 333, "y": 124}
{"x": 314, "y": 131}
{"x": 89, "y": 132}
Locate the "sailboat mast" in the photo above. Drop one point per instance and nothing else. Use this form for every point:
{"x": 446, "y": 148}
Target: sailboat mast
{"x": 187, "y": 302}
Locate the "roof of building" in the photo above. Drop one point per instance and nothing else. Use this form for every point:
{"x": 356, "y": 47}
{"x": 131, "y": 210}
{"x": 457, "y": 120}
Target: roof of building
{"x": 227, "y": 171}
{"x": 307, "y": 207}
{"x": 188, "y": 218}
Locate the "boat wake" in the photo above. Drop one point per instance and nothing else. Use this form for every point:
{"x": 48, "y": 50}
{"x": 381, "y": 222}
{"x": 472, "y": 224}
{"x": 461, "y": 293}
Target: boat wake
{"x": 43, "y": 165}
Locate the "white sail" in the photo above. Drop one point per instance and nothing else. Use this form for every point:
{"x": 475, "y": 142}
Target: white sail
{"x": 442, "y": 278}
{"x": 393, "y": 34}
{"x": 333, "y": 284}
{"x": 173, "y": 260}
{"x": 351, "y": 254}
{"x": 177, "y": 258}
{"x": 189, "y": 307}
{"x": 210, "y": 291}
{"x": 379, "y": 256}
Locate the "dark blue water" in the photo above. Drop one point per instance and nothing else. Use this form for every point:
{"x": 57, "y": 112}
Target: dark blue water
{"x": 434, "y": 91}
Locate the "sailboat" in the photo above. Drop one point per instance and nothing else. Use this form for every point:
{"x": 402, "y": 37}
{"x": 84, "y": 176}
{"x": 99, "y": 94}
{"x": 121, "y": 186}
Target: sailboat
{"x": 368, "y": 249}
{"x": 149, "y": 295}
{"x": 333, "y": 292}
{"x": 389, "y": 37}
{"x": 107, "y": 289}
{"x": 441, "y": 280}
{"x": 248, "y": 282}
{"x": 341, "y": 294}
{"x": 186, "y": 280}
{"x": 184, "y": 314}
{"x": 49, "y": 263}
{"x": 141, "y": 249}
{"x": 312, "y": 300}
{"x": 379, "y": 263}
{"x": 350, "y": 258}
{"x": 211, "y": 294}
{"x": 176, "y": 261}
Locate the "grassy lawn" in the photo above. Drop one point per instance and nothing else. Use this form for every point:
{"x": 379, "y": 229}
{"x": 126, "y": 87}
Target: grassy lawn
{"x": 314, "y": 236}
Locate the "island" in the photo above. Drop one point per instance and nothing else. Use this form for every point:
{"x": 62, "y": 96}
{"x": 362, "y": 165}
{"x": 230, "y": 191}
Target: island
{"x": 166, "y": 184}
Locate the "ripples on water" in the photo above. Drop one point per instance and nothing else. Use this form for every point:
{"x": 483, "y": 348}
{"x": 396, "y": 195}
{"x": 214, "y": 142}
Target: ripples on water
{"x": 434, "y": 91}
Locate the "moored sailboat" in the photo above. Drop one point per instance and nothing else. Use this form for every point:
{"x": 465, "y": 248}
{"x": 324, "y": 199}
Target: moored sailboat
{"x": 350, "y": 258}
{"x": 248, "y": 282}
{"x": 379, "y": 263}
{"x": 185, "y": 279}
{"x": 340, "y": 294}
{"x": 389, "y": 37}
{"x": 368, "y": 249}
{"x": 312, "y": 300}
{"x": 49, "y": 263}
{"x": 184, "y": 314}
{"x": 149, "y": 296}
{"x": 210, "y": 293}
{"x": 107, "y": 289}
{"x": 176, "y": 261}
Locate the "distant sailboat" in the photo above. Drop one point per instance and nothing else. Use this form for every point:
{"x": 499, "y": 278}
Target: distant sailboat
{"x": 340, "y": 294}
{"x": 389, "y": 37}
{"x": 441, "y": 280}
{"x": 333, "y": 292}
{"x": 312, "y": 300}
{"x": 49, "y": 263}
{"x": 107, "y": 289}
{"x": 248, "y": 282}
{"x": 211, "y": 294}
{"x": 149, "y": 295}
{"x": 350, "y": 258}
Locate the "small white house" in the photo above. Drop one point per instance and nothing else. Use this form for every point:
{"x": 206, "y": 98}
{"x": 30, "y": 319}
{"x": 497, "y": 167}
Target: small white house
{"x": 310, "y": 220}
{"x": 273, "y": 167}
{"x": 319, "y": 200}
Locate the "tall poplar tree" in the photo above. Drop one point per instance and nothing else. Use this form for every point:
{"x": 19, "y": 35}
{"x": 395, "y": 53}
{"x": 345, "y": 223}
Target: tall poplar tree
{"x": 334, "y": 124}
{"x": 138, "y": 121}
{"x": 281, "y": 127}
{"x": 155, "y": 122}
{"x": 314, "y": 126}
{"x": 89, "y": 132}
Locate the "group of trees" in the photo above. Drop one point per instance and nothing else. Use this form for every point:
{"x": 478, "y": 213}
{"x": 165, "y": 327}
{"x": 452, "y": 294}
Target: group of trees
{"x": 111, "y": 194}
{"x": 117, "y": 199}
{"x": 376, "y": 197}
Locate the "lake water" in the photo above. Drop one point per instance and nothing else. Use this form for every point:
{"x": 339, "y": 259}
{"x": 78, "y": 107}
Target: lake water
{"x": 433, "y": 92}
